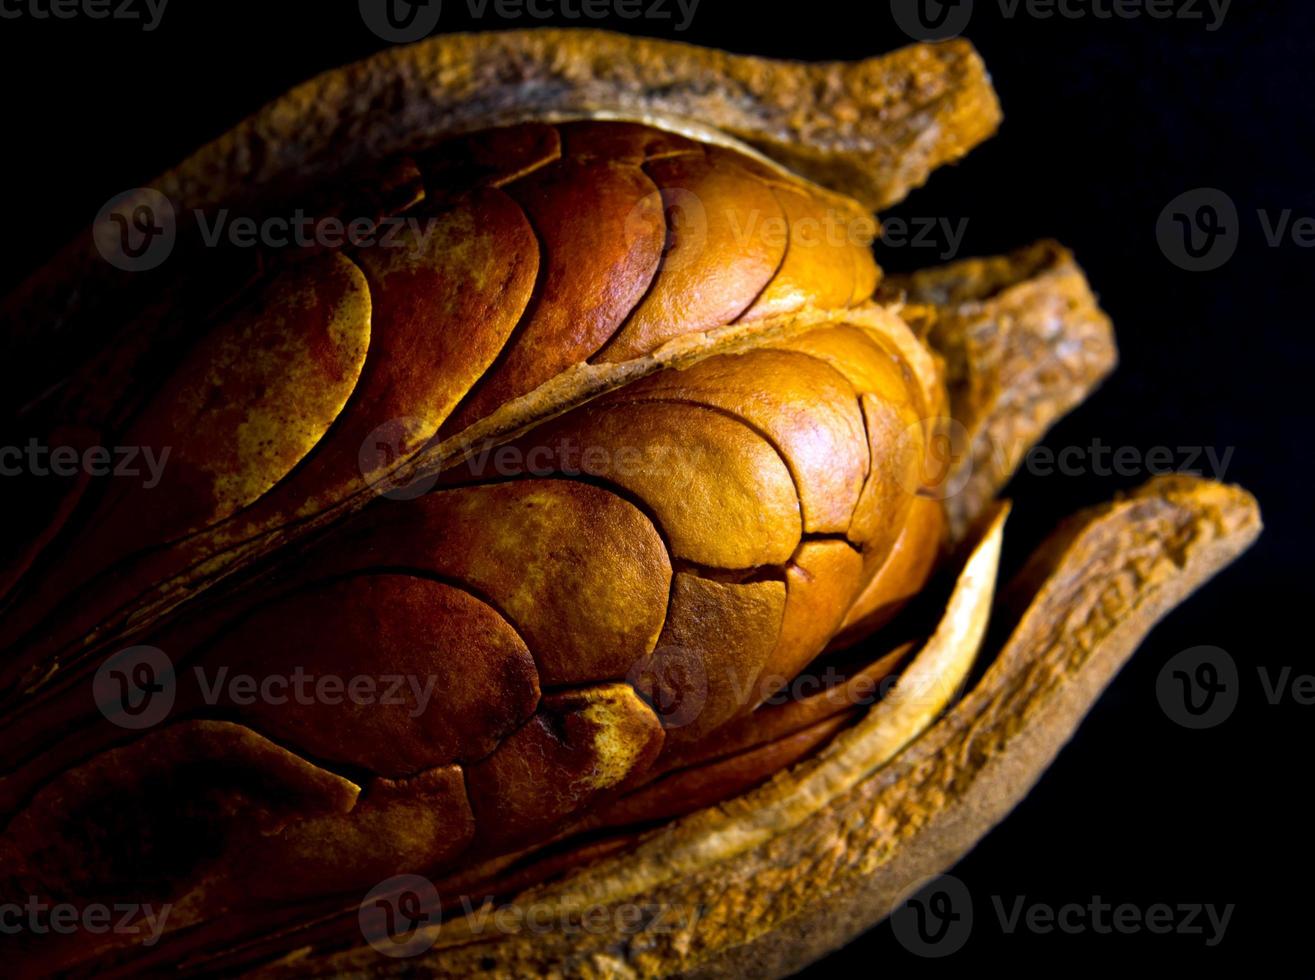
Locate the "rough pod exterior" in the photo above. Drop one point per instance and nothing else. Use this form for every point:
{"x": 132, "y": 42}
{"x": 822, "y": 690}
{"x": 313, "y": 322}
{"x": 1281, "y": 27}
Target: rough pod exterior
{"x": 516, "y": 552}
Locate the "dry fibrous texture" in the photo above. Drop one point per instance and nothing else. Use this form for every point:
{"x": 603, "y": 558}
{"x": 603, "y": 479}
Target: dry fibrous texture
{"x": 1024, "y": 342}
{"x": 609, "y": 454}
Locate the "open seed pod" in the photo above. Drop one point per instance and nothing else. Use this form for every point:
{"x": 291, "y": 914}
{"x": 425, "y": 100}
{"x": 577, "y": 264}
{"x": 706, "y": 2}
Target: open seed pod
{"x": 582, "y": 569}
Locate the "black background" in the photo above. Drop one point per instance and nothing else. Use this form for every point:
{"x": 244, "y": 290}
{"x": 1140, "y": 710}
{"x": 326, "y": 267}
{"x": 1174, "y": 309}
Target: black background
{"x": 1106, "y": 122}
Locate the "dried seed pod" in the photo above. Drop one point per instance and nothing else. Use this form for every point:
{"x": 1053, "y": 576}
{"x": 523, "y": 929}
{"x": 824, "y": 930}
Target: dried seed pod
{"x": 537, "y": 516}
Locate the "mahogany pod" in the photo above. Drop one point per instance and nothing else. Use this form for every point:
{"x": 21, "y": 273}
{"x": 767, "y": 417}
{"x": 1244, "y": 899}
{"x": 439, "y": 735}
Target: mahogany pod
{"x": 605, "y": 531}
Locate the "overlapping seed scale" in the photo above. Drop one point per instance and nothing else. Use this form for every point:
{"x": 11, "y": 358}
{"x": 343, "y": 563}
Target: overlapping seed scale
{"x": 271, "y": 411}
{"x": 633, "y": 575}
{"x": 526, "y": 250}
{"x": 776, "y": 498}
{"x": 335, "y": 370}
{"x": 213, "y": 809}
